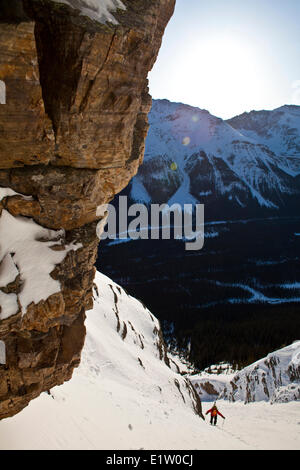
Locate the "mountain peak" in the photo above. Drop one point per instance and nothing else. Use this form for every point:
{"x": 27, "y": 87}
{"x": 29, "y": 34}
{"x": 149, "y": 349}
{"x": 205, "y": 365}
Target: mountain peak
{"x": 249, "y": 161}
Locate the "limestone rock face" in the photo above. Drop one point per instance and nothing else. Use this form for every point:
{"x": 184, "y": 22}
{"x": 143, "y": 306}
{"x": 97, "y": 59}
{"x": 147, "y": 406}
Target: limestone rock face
{"x": 72, "y": 135}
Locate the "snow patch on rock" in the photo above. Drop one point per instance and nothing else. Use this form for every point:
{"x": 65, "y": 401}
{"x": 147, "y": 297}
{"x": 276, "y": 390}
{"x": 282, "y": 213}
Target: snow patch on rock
{"x": 2, "y": 353}
{"x": 98, "y": 10}
{"x": 23, "y": 245}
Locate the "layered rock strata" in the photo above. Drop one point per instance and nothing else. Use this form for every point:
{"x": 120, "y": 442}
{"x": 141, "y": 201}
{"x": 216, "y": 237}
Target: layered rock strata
{"x": 72, "y": 135}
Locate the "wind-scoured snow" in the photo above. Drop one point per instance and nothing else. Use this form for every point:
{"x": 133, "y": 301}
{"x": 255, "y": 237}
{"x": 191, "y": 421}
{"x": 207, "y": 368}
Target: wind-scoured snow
{"x": 98, "y": 10}
{"x": 124, "y": 396}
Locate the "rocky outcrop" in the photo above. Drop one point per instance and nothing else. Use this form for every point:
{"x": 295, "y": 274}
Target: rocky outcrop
{"x": 212, "y": 381}
{"x": 72, "y": 135}
{"x": 275, "y": 378}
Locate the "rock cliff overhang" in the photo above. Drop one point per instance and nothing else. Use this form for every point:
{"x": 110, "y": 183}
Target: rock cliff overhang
{"x": 72, "y": 134}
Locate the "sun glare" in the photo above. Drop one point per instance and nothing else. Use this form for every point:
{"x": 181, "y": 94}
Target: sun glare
{"x": 224, "y": 71}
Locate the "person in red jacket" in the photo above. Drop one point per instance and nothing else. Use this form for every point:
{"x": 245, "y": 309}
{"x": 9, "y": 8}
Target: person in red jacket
{"x": 214, "y": 412}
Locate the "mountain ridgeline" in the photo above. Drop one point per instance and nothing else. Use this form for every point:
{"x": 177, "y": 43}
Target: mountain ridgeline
{"x": 238, "y": 297}
{"x": 247, "y": 166}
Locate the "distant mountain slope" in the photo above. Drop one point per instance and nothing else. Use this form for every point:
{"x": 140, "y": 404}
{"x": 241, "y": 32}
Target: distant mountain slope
{"x": 278, "y": 129}
{"x": 275, "y": 378}
{"x": 245, "y": 279}
{"x": 250, "y": 163}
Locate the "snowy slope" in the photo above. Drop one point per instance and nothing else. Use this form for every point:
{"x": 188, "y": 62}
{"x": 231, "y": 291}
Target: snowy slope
{"x": 274, "y": 378}
{"x": 211, "y": 382}
{"x": 208, "y": 387}
{"x": 125, "y": 381}
{"x": 193, "y": 156}
{"x": 278, "y": 129}
{"x": 124, "y": 396}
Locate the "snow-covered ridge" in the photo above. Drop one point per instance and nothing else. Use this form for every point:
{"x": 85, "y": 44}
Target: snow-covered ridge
{"x": 278, "y": 129}
{"x": 127, "y": 391}
{"x": 191, "y": 155}
{"x": 274, "y": 379}
{"x": 126, "y": 340}
{"x": 98, "y": 10}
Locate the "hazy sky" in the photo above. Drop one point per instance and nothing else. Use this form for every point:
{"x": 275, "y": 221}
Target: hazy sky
{"x": 230, "y": 56}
